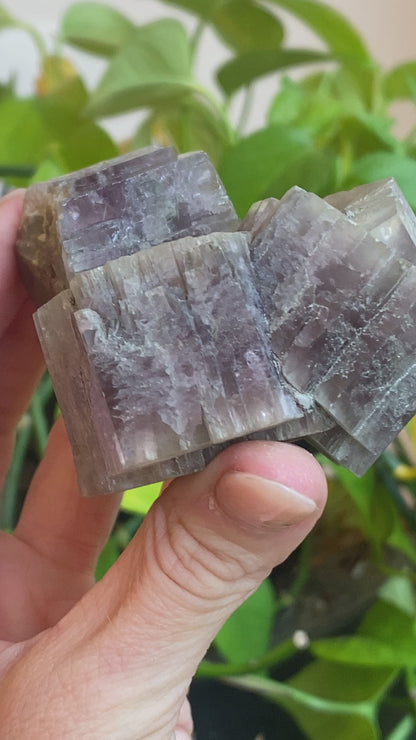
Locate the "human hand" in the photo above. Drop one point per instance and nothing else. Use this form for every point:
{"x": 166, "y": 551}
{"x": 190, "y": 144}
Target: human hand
{"x": 115, "y": 659}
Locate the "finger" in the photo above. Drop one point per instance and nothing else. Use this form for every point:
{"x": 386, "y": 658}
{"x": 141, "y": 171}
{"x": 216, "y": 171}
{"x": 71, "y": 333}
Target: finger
{"x": 21, "y": 359}
{"x": 205, "y": 546}
{"x": 21, "y": 368}
{"x": 66, "y": 529}
{"x": 12, "y": 293}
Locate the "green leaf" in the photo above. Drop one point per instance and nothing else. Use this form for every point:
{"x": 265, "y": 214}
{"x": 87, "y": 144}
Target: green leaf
{"x": 72, "y": 95}
{"x": 399, "y": 592}
{"x": 243, "y": 69}
{"x": 335, "y": 30}
{"x": 107, "y": 558}
{"x": 32, "y": 130}
{"x": 353, "y": 684}
{"x": 365, "y": 651}
{"x": 6, "y": 20}
{"x": 246, "y": 634}
{"x": 358, "y": 686}
{"x": 379, "y": 517}
{"x": 139, "y": 500}
{"x": 86, "y": 145}
{"x": 47, "y": 170}
{"x": 143, "y": 135}
{"x": 400, "y": 82}
{"x": 342, "y": 40}
{"x": 245, "y": 26}
{"x": 375, "y": 506}
{"x": 327, "y": 700}
{"x": 365, "y": 132}
{"x": 314, "y": 171}
{"x": 390, "y": 625}
{"x": 404, "y": 730}
{"x": 189, "y": 125}
{"x": 386, "y": 637}
{"x": 23, "y": 137}
{"x": 248, "y": 168}
{"x": 95, "y": 27}
{"x": 154, "y": 65}
{"x": 401, "y": 540}
{"x": 288, "y": 104}
{"x": 379, "y": 165}
{"x": 199, "y": 7}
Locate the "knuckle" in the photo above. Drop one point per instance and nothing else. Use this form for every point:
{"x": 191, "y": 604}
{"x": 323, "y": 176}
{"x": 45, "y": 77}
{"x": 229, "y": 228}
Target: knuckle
{"x": 202, "y": 567}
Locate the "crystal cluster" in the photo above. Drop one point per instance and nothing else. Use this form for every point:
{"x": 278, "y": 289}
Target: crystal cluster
{"x": 170, "y": 329}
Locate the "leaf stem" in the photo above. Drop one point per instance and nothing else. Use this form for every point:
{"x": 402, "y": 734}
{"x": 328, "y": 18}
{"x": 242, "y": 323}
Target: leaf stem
{"x": 410, "y": 678}
{"x": 9, "y": 504}
{"x": 220, "y": 109}
{"x": 278, "y": 654}
{"x": 40, "y": 426}
{"x": 35, "y": 36}
{"x": 403, "y": 730}
{"x": 281, "y": 693}
{"x": 303, "y": 570}
{"x": 196, "y": 37}
{"x": 245, "y": 109}
{"x": 16, "y": 171}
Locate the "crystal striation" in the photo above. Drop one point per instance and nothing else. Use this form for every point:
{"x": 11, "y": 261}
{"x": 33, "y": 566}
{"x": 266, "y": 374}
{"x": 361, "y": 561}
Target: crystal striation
{"x": 83, "y": 220}
{"x": 174, "y": 352}
{"x": 170, "y": 330}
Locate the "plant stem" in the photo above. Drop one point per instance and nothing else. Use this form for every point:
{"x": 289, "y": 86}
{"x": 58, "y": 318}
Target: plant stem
{"x": 220, "y": 109}
{"x": 403, "y": 729}
{"x": 303, "y": 570}
{"x": 245, "y": 109}
{"x": 11, "y": 486}
{"x": 196, "y": 37}
{"x": 16, "y": 171}
{"x": 278, "y": 654}
{"x": 410, "y": 678}
{"x": 281, "y": 693}
{"x": 35, "y": 36}
{"x": 40, "y": 426}
{"x": 386, "y": 466}
{"x": 45, "y": 389}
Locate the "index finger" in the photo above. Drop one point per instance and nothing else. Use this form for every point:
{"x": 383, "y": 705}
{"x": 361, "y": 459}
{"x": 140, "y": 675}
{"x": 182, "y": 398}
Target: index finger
{"x": 12, "y": 293}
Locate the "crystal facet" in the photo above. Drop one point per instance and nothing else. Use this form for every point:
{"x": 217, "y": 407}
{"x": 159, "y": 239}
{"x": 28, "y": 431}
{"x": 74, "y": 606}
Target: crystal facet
{"x": 173, "y": 342}
{"x": 171, "y": 331}
{"x": 83, "y": 220}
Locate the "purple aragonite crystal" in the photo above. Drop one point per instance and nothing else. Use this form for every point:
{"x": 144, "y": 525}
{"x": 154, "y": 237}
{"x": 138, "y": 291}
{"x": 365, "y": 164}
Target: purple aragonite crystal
{"x": 368, "y": 388}
{"x": 83, "y": 220}
{"x": 343, "y": 449}
{"x": 173, "y": 342}
{"x": 340, "y": 293}
{"x": 182, "y": 331}
{"x": 384, "y": 212}
{"x": 332, "y": 278}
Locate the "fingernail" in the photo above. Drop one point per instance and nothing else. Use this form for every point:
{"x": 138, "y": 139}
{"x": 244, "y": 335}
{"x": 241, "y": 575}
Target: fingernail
{"x": 259, "y": 501}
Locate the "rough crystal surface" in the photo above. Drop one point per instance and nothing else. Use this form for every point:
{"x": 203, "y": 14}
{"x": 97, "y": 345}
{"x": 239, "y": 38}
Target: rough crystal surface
{"x": 382, "y": 210}
{"x": 174, "y": 339}
{"x": 83, "y": 220}
{"x": 173, "y": 331}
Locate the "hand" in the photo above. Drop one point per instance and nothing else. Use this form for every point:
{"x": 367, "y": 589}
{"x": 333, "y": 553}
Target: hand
{"x": 115, "y": 659}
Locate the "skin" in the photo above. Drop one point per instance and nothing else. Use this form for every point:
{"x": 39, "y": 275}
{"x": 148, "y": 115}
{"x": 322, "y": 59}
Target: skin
{"x": 115, "y": 659}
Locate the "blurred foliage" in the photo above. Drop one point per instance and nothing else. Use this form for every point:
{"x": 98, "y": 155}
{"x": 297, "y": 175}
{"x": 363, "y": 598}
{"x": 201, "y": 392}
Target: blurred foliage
{"x": 329, "y": 127}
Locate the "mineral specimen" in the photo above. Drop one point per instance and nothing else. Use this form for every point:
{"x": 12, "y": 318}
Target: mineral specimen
{"x": 171, "y": 330}
{"x": 381, "y": 209}
{"x": 173, "y": 349}
{"x": 85, "y": 219}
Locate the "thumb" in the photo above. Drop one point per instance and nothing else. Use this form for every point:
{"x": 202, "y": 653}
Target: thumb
{"x": 205, "y": 546}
